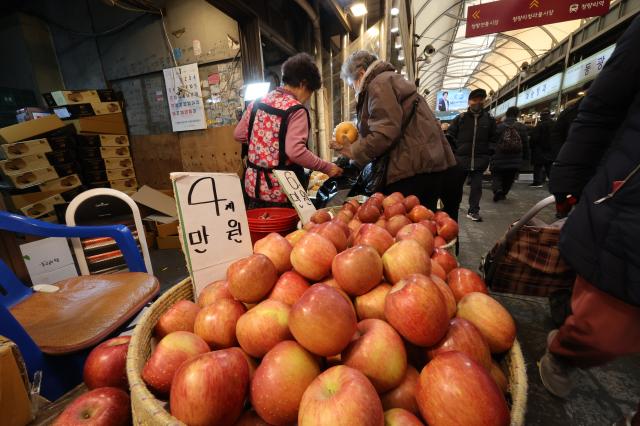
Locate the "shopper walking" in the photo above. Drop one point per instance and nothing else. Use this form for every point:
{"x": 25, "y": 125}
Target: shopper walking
{"x": 599, "y": 164}
{"x": 507, "y": 157}
{"x": 541, "y": 153}
{"x": 276, "y": 129}
{"x": 397, "y": 130}
{"x": 473, "y": 133}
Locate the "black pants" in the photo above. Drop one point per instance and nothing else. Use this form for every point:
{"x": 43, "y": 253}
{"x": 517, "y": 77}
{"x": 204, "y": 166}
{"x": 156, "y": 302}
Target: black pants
{"x": 452, "y": 187}
{"x": 426, "y": 186}
{"x": 541, "y": 173}
{"x": 501, "y": 180}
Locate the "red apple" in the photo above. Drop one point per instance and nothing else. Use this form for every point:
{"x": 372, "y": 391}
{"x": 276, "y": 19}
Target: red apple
{"x": 462, "y": 336}
{"x": 354, "y": 225}
{"x": 404, "y": 258}
{"x": 251, "y": 363}
{"x": 455, "y": 390}
{"x": 214, "y": 291}
{"x": 334, "y": 285}
{"x": 295, "y": 236}
{"x": 289, "y": 288}
{"x": 374, "y": 236}
{"x": 437, "y": 270}
{"x": 309, "y": 226}
{"x": 216, "y": 323}
{"x": 394, "y": 210}
{"x": 321, "y": 216}
{"x": 357, "y": 270}
{"x": 378, "y": 352}
{"x": 250, "y": 418}
{"x": 445, "y": 259}
{"x": 420, "y": 213}
{"x": 340, "y": 396}
{"x": 394, "y": 198}
{"x": 382, "y": 223}
{"x": 368, "y": 213}
{"x": 400, "y": 417}
{"x": 334, "y": 233}
{"x": 371, "y": 305}
{"x": 410, "y": 202}
{"x": 210, "y": 389}
{"x": 100, "y": 407}
{"x": 106, "y": 364}
{"x": 464, "y": 281}
{"x": 179, "y": 317}
{"x": 418, "y": 232}
{"x": 322, "y": 321}
{"x": 404, "y": 395}
{"x": 431, "y": 225}
{"x": 447, "y": 228}
{"x": 343, "y": 226}
{"x": 347, "y": 213}
{"x": 395, "y": 223}
{"x": 284, "y": 374}
{"x": 277, "y": 249}
{"x": 499, "y": 377}
{"x": 491, "y": 318}
{"x": 312, "y": 256}
{"x": 344, "y": 216}
{"x": 252, "y": 278}
{"x": 449, "y": 300}
{"x": 263, "y": 327}
{"x": 166, "y": 358}
{"x": 439, "y": 215}
{"x": 416, "y": 308}
{"x": 351, "y": 206}
{"x": 438, "y": 241}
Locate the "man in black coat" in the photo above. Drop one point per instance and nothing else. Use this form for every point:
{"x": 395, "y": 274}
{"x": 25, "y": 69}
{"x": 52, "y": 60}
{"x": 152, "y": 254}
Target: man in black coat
{"x": 541, "y": 153}
{"x": 600, "y": 165}
{"x": 560, "y": 130}
{"x": 473, "y": 133}
{"x": 507, "y": 158}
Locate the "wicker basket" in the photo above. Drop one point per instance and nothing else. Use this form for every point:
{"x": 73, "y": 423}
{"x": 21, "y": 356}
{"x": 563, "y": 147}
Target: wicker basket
{"x": 147, "y": 410}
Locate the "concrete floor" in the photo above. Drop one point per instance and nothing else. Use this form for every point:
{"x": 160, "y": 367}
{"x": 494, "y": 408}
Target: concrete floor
{"x": 603, "y": 395}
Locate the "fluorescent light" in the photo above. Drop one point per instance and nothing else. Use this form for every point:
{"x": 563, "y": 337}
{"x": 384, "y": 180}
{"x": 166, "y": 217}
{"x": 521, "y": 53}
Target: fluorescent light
{"x": 395, "y": 11}
{"x": 400, "y": 55}
{"x": 395, "y": 27}
{"x": 373, "y": 32}
{"x": 398, "y": 42}
{"x": 404, "y": 71}
{"x": 358, "y": 9}
{"x": 255, "y": 90}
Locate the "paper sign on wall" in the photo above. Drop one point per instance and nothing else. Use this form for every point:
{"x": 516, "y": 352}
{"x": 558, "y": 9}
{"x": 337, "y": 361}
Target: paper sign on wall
{"x": 185, "y": 98}
{"x": 214, "y": 230}
{"x": 48, "y": 260}
{"x": 296, "y": 193}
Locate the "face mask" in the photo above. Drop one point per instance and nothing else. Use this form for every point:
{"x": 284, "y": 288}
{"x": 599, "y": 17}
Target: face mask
{"x": 477, "y": 108}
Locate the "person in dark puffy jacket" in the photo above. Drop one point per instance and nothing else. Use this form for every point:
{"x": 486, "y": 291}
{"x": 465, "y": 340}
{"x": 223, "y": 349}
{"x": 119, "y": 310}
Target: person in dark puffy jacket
{"x": 473, "y": 133}
{"x": 560, "y": 129}
{"x": 541, "y": 153}
{"x": 506, "y": 162}
{"x": 600, "y": 166}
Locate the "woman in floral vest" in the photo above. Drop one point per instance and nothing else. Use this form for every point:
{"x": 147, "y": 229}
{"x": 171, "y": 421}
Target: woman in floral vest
{"x": 276, "y": 128}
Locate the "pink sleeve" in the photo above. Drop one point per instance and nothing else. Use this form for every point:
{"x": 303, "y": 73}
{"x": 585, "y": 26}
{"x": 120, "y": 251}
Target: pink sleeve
{"x": 241, "y": 132}
{"x": 296, "y": 144}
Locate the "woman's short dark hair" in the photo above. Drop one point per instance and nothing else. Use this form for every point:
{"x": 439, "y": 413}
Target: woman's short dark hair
{"x": 513, "y": 112}
{"x": 301, "y": 69}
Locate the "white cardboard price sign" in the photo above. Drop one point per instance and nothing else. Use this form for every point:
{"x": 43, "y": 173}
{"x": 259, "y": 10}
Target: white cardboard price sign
{"x": 296, "y": 193}
{"x": 214, "y": 230}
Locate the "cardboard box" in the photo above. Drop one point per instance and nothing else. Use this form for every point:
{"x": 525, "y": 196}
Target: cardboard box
{"x": 120, "y": 174}
{"x": 21, "y": 149}
{"x": 61, "y": 184}
{"x": 111, "y": 124}
{"x": 167, "y": 229}
{"x": 15, "y": 405}
{"x": 67, "y": 169}
{"x": 70, "y": 97}
{"x": 124, "y": 184}
{"x": 57, "y": 158}
{"x": 70, "y": 112}
{"x": 31, "y": 129}
{"x": 31, "y": 113}
{"x": 114, "y": 151}
{"x": 157, "y": 201}
{"x": 170, "y": 242}
{"x": 103, "y": 140}
{"x": 33, "y": 177}
{"x": 118, "y": 163}
{"x": 16, "y": 166}
{"x": 43, "y": 207}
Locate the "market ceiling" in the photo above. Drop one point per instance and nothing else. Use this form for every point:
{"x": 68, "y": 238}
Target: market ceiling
{"x": 486, "y": 62}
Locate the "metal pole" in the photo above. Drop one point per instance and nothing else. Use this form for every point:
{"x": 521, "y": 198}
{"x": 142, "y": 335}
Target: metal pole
{"x": 564, "y": 70}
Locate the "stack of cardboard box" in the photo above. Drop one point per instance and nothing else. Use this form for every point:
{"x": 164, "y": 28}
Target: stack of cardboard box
{"x": 103, "y": 144}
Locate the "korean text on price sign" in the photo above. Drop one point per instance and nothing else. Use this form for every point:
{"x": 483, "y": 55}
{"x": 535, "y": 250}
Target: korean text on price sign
{"x": 296, "y": 193}
{"x": 213, "y": 224}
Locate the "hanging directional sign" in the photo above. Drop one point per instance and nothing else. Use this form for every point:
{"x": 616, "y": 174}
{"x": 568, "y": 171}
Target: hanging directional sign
{"x": 505, "y": 15}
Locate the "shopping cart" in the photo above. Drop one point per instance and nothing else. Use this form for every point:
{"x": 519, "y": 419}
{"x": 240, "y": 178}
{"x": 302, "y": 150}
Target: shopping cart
{"x": 527, "y": 261}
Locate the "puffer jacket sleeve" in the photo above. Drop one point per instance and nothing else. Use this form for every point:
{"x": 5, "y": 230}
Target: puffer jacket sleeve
{"x": 600, "y": 114}
{"x": 385, "y": 124}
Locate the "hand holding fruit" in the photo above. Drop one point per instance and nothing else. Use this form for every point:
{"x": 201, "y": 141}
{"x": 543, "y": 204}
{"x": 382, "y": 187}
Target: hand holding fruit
{"x": 334, "y": 171}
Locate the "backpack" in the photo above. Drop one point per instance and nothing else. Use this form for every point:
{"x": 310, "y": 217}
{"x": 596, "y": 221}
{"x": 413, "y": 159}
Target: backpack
{"x": 510, "y": 142}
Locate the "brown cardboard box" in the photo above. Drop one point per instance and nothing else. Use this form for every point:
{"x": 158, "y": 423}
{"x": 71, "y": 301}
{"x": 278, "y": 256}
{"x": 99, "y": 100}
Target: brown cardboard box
{"x": 167, "y": 230}
{"x": 20, "y": 149}
{"x": 16, "y": 166}
{"x": 15, "y": 405}
{"x": 95, "y": 140}
{"x": 170, "y": 242}
{"x": 118, "y": 163}
{"x": 70, "y": 97}
{"x": 43, "y": 207}
{"x": 114, "y": 151}
{"x": 62, "y": 184}
{"x": 69, "y": 112}
{"x": 112, "y": 124}
{"x": 33, "y": 177}
{"x": 124, "y": 185}
{"x": 120, "y": 174}
{"x": 32, "y": 128}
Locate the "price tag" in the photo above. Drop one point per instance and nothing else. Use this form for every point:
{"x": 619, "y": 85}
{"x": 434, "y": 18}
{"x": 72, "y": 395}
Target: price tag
{"x": 214, "y": 230}
{"x": 296, "y": 193}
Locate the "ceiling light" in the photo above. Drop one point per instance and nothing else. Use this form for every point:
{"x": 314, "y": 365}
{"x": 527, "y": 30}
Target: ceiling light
{"x": 373, "y": 32}
{"x": 398, "y": 43}
{"x": 400, "y": 55}
{"x": 395, "y": 11}
{"x": 395, "y": 26}
{"x": 358, "y": 9}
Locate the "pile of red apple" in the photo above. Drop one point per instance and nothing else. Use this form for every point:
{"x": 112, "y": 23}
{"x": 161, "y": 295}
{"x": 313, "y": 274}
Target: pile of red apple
{"x": 354, "y": 320}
